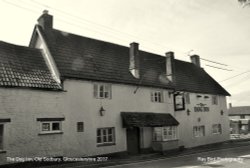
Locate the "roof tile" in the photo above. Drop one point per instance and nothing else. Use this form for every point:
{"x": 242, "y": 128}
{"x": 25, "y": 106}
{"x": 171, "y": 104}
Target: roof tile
{"x": 24, "y": 67}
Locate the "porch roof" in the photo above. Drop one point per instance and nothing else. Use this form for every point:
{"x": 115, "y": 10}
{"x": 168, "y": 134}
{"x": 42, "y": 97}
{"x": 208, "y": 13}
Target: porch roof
{"x": 147, "y": 119}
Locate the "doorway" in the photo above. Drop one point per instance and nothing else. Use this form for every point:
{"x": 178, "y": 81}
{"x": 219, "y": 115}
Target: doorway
{"x": 133, "y": 140}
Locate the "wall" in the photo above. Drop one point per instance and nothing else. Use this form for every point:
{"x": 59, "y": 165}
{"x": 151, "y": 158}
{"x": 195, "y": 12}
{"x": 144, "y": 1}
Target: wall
{"x": 82, "y": 106}
{"x": 23, "y": 107}
{"x": 77, "y": 104}
{"x": 206, "y": 118}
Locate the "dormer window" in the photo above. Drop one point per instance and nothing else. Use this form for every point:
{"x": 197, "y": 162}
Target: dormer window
{"x": 157, "y": 96}
{"x": 102, "y": 91}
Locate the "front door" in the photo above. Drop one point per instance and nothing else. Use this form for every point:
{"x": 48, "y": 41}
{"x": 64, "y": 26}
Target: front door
{"x": 133, "y": 137}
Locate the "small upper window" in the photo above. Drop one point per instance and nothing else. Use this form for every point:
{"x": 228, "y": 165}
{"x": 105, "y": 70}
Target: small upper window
{"x": 157, "y": 96}
{"x": 102, "y": 91}
{"x": 242, "y": 116}
{"x": 80, "y": 126}
{"x": 215, "y": 100}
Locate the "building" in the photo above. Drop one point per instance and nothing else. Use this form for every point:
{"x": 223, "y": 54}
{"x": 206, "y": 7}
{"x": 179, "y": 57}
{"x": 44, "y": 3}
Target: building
{"x": 108, "y": 98}
{"x": 239, "y": 119}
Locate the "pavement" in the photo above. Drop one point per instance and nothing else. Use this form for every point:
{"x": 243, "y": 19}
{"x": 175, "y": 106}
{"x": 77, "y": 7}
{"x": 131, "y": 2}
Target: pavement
{"x": 111, "y": 161}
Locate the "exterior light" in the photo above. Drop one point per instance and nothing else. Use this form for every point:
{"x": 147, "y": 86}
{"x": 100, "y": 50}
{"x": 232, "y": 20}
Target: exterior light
{"x": 221, "y": 112}
{"x": 102, "y": 111}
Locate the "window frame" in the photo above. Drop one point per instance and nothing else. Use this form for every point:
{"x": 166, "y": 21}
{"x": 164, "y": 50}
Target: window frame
{"x": 199, "y": 131}
{"x": 215, "y": 100}
{"x": 167, "y": 133}
{"x": 157, "y": 96}
{"x": 102, "y": 91}
{"x": 216, "y": 129}
{"x": 80, "y": 126}
{"x": 104, "y": 138}
{"x": 50, "y": 128}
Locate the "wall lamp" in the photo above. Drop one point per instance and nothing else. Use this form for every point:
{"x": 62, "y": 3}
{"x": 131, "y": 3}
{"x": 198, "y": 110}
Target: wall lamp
{"x": 102, "y": 111}
{"x": 221, "y": 112}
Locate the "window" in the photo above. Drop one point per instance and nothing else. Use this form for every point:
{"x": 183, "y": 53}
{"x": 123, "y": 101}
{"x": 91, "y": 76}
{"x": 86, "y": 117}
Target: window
{"x": 157, "y": 96}
{"x": 199, "y": 131}
{"x": 1, "y": 136}
{"x": 179, "y": 102}
{"x": 105, "y": 136}
{"x": 214, "y": 100}
{"x": 216, "y": 129}
{"x": 51, "y": 127}
{"x": 80, "y": 127}
{"x": 165, "y": 133}
{"x": 242, "y": 116}
{"x": 102, "y": 91}
{"x": 187, "y": 98}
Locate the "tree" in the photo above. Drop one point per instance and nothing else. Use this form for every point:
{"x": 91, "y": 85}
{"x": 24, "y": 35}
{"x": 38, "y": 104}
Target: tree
{"x": 244, "y": 3}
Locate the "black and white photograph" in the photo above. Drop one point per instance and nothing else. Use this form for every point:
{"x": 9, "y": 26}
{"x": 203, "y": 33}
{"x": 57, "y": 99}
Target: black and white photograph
{"x": 124, "y": 83}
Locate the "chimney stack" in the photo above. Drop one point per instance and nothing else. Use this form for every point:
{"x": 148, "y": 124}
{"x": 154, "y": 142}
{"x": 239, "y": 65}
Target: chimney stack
{"x": 134, "y": 59}
{"x": 230, "y": 105}
{"x": 195, "y": 59}
{"x": 46, "y": 20}
{"x": 170, "y": 66}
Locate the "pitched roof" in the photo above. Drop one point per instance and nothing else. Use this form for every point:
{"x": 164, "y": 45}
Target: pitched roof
{"x": 24, "y": 67}
{"x": 240, "y": 110}
{"x": 191, "y": 78}
{"x": 142, "y": 119}
{"x": 85, "y": 58}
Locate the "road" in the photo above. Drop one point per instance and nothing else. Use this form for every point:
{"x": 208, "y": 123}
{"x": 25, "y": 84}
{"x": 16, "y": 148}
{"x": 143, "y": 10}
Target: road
{"x": 238, "y": 157}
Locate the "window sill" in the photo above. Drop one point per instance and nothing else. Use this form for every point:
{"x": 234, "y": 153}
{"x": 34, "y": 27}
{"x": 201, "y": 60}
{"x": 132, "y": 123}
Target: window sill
{"x": 52, "y": 132}
{"x": 2, "y": 151}
{"x": 217, "y": 133}
{"x": 105, "y": 144}
{"x": 198, "y": 136}
{"x": 167, "y": 140}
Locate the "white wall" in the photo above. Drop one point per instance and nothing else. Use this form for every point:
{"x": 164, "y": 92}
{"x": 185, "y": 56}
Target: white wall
{"x": 23, "y": 107}
{"x": 82, "y": 106}
{"x": 206, "y": 118}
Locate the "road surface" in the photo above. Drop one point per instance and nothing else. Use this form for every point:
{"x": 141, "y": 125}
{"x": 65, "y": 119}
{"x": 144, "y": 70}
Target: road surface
{"x": 238, "y": 157}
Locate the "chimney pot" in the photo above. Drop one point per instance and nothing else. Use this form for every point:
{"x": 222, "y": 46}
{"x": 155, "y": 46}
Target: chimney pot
{"x": 46, "y": 20}
{"x": 45, "y": 11}
{"x": 230, "y": 105}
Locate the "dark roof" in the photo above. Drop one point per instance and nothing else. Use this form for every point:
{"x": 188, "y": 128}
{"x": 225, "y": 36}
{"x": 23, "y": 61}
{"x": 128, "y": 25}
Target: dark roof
{"x": 192, "y": 78}
{"x": 24, "y": 67}
{"x": 141, "y": 119}
{"x": 86, "y": 58}
{"x": 240, "y": 110}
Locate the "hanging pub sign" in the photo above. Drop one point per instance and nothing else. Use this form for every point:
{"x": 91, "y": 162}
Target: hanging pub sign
{"x": 179, "y": 103}
{"x": 201, "y": 108}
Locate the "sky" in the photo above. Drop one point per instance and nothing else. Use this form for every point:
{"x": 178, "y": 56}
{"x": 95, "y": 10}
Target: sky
{"x": 216, "y": 30}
